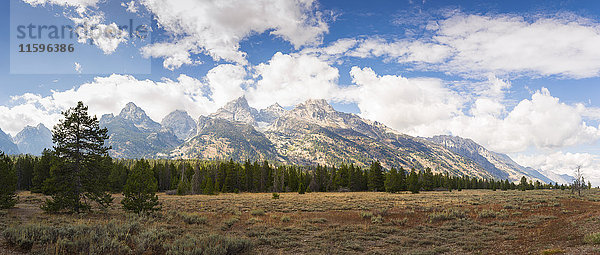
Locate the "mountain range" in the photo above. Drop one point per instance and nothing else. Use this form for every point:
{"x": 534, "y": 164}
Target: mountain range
{"x": 313, "y": 132}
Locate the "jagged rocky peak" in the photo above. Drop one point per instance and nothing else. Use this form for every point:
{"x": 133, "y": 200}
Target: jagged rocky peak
{"x": 40, "y": 128}
{"x": 271, "y": 113}
{"x": 238, "y": 104}
{"x": 33, "y": 140}
{"x": 180, "y": 123}
{"x": 276, "y": 108}
{"x": 320, "y": 104}
{"x": 237, "y": 110}
{"x": 132, "y": 112}
{"x": 313, "y": 108}
{"x": 138, "y": 116}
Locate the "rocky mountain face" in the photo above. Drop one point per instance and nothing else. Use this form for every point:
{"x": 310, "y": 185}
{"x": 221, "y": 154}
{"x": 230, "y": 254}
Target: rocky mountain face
{"x": 33, "y": 140}
{"x": 138, "y": 117}
{"x": 6, "y": 144}
{"x": 237, "y": 111}
{"x": 311, "y": 133}
{"x": 494, "y": 162}
{"x": 181, "y": 124}
{"x": 134, "y": 135}
{"x": 270, "y": 114}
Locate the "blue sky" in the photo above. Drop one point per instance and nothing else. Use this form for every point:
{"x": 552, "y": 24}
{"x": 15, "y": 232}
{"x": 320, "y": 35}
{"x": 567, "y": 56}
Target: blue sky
{"x": 519, "y": 77}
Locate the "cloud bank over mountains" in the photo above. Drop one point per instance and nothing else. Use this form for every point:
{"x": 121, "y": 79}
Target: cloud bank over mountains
{"x": 416, "y": 106}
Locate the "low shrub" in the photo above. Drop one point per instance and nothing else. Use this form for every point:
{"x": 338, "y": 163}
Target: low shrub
{"x": 110, "y": 238}
{"x": 275, "y": 195}
{"x": 377, "y": 219}
{"x": 487, "y": 214}
{"x": 593, "y": 238}
{"x": 152, "y": 241}
{"x": 212, "y": 244}
{"x": 366, "y": 215}
{"x": 254, "y": 220}
{"x": 399, "y": 222}
{"x": 317, "y": 220}
{"x": 227, "y": 224}
{"x": 447, "y": 214}
{"x": 503, "y": 214}
{"x": 193, "y": 218}
{"x": 552, "y": 251}
{"x": 257, "y": 212}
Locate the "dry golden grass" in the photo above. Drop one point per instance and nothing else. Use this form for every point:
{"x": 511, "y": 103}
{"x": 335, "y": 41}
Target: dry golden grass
{"x": 465, "y": 222}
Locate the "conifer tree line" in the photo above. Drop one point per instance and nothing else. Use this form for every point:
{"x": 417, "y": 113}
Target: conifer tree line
{"x": 211, "y": 177}
{"x": 78, "y": 171}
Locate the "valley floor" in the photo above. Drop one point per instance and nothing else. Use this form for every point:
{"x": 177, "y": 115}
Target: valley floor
{"x": 465, "y": 222}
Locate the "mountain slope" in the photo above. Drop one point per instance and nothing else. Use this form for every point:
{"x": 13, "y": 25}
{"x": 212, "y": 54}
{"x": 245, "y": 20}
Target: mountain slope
{"x": 6, "y": 144}
{"x": 223, "y": 139}
{"x": 33, "y": 140}
{"x": 560, "y": 178}
{"x": 489, "y": 160}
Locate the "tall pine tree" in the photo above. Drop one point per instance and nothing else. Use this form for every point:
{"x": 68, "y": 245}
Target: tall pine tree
{"x": 140, "y": 190}
{"x": 78, "y": 175}
{"x": 376, "y": 179}
{"x": 413, "y": 182}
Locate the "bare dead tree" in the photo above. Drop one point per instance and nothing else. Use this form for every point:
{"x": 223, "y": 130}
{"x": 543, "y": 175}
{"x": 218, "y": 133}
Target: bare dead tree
{"x": 579, "y": 182}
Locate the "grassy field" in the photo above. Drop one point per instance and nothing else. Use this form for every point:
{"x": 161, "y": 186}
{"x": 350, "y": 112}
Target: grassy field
{"x": 465, "y": 222}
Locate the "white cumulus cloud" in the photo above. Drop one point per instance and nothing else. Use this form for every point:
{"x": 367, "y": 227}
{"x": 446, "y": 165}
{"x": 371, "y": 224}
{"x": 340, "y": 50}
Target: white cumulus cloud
{"x": 400, "y": 102}
{"x": 292, "y": 79}
{"x": 89, "y": 23}
{"x": 401, "y": 51}
{"x": 541, "y": 122}
{"x": 475, "y": 45}
{"x": 565, "y": 46}
{"x": 216, "y": 28}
